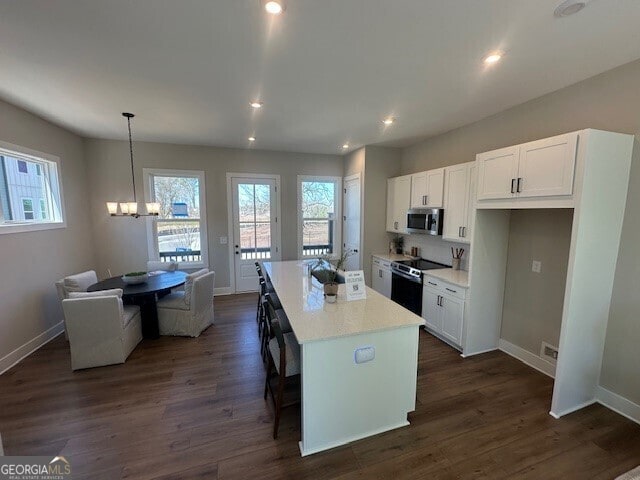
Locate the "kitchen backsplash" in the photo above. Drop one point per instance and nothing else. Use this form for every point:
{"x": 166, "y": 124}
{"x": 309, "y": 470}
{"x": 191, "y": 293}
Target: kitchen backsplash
{"x": 436, "y": 249}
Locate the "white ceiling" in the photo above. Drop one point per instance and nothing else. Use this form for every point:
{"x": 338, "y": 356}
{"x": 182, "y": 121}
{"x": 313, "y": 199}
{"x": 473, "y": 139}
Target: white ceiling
{"x": 327, "y": 71}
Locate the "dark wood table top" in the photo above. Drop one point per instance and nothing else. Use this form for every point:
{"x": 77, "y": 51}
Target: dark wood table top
{"x": 156, "y": 283}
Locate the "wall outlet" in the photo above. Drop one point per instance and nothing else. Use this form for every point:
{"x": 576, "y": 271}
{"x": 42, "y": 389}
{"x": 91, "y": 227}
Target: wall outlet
{"x": 224, "y": 240}
{"x": 536, "y": 266}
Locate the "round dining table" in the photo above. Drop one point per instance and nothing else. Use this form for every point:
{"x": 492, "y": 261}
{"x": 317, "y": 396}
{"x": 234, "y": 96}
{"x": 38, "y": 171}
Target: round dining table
{"x": 145, "y": 295}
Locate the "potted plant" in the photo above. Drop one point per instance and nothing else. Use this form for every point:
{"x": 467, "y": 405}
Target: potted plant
{"x": 326, "y": 271}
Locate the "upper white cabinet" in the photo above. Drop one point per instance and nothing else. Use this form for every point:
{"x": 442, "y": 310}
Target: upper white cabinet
{"x": 398, "y": 201}
{"x": 459, "y": 194}
{"x": 427, "y": 189}
{"x": 536, "y": 169}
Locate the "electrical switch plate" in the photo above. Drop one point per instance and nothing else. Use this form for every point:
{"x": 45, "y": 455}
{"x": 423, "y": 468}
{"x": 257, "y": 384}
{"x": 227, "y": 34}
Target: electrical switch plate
{"x": 223, "y": 240}
{"x": 364, "y": 354}
{"x": 536, "y": 266}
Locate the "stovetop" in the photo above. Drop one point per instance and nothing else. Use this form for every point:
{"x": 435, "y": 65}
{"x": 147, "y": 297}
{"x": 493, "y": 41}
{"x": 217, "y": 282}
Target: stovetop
{"x": 422, "y": 264}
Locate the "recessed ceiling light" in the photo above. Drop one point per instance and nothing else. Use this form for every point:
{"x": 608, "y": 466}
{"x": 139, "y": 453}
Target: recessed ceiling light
{"x": 274, "y": 7}
{"x": 256, "y": 104}
{"x": 493, "y": 58}
{"x": 252, "y": 139}
{"x": 345, "y": 146}
{"x": 569, "y": 7}
{"x": 388, "y": 120}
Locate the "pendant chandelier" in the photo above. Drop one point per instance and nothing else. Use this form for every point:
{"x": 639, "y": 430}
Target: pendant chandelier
{"x": 130, "y": 209}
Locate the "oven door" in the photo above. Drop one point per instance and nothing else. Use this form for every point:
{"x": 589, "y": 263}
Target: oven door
{"x": 407, "y": 291}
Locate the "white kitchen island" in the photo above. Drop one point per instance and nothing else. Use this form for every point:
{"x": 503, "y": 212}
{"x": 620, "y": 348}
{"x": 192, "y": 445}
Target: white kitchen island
{"x": 343, "y": 401}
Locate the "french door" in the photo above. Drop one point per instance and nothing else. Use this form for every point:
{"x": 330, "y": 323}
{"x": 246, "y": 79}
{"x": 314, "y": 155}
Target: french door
{"x": 255, "y": 233}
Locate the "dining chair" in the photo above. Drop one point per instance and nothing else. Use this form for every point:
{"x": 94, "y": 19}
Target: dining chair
{"x": 78, "y": 282}
{"x": 155, "y": 265}
{"x": 188, "y": 313}
{"x": 283, "y": 365}
{"x": 102, "y": 331}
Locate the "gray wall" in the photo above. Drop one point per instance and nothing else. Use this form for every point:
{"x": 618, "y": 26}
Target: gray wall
{"x": 375, "y": 165}
{"x": 610, "y": 101}
{"x": 122, "y": 242}
{"x": 532, "y": 309}
{"x": 32, "y": 261}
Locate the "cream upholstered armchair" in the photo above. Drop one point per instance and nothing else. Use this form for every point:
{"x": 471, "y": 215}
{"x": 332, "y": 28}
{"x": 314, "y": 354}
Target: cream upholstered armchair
{"x": 189, "y": 312}
{"x": 74, "y": 283}
{"x": 101, "y": 330}
{"x": 154, "y": 266}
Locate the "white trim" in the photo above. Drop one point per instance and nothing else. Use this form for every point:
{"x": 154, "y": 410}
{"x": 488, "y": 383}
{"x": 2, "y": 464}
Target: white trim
{"x": 152, "y": 247}
{"x": 618, "y": 404}
{"x": 331, "y": 445}
{"x": 219, "y": 291}
{"x": 23, "y": 351}
{"x": 574, "y": 408}
{"x": 471, "y": 354}
{"x": 338, "y": 194}
{"x": 531, "y": 359}
{"x": 37, "y": 157}
{"x": 230, "y": 227}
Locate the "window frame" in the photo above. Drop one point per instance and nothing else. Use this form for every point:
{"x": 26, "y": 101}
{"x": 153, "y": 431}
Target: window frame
{"x": 30, "y": 155}
{"x": 337, "y": 230}
{"x": 152, "y": 232}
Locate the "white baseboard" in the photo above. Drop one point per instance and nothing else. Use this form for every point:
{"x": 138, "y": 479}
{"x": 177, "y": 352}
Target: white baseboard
{"x": 222, "y": 291}
{"x": 531, "y": 359}
{"x": 479, "y": 352}
{"x": 618, "y": 404}
{"x": 575, "y": 408}
{"x": 28, "y": 348}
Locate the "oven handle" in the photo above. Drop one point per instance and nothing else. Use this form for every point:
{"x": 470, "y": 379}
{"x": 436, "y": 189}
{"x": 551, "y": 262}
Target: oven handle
{"x": 405, "y": 276}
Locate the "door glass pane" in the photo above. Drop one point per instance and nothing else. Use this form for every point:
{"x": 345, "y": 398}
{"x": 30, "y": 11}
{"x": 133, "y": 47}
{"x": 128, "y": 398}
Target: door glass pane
{"x": 254, "y": 211}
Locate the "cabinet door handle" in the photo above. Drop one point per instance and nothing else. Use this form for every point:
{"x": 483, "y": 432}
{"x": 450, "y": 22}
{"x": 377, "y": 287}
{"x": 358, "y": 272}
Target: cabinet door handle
{"x": 518, "y": 189}
{"x": 439, "y": 300}
{"x": 459, "y": 231}
{"x": 431, "y": 283}
{"x": 380, "y": 273}
{"x": 454, "y": 291}
{"x": 513, "y": 185}
{"x": 395, "y": 225}
{"x": 464, "y": 231}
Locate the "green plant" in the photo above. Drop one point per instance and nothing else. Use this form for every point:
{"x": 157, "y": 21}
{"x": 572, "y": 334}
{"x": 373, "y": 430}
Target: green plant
{"x": 134, "y": 274}
{"x": 325, "y": 273}
{"x": 399, "y": 241}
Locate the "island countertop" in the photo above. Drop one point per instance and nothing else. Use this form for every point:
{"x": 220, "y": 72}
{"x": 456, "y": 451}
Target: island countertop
{"x": 312, "y": 319}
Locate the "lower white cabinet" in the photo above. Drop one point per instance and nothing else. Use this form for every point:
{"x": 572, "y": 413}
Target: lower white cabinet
{"x": 381, "y": 276}
{"x": 443, "y": 307}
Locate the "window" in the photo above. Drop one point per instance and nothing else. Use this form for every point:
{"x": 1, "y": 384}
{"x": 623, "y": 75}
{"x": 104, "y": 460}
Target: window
{"x": 179, "y": 232}
{"x": 30, "y": 191}
{"x": 319, "y": 208}
{"x": 43, "y": 209}
{"x": 27, "y": 208}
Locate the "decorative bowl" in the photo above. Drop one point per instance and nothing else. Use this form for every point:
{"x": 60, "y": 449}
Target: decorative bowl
{"x": 134, "y": 278}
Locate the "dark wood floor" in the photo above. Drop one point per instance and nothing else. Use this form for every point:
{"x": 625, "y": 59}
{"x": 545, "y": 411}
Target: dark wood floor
{"x": 192, "y": 408}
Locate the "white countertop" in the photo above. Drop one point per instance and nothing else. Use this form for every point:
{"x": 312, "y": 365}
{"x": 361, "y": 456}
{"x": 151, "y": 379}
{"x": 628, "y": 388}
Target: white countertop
{"x": 313, "y": 319}
{"x": 457, "y": 277}
{"x": 393, "y": 257}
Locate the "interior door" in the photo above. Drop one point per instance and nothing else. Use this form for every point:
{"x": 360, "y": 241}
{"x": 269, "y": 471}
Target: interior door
{"x": 351, "y": 226}
{"x": 255, "y": 236}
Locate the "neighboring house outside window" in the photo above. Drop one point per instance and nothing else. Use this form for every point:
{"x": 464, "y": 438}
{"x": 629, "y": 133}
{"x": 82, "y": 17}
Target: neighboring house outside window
{"x": 27, "y": 208}
{"x": 30, "y": 192}
{"x": 319, "y": 207}
{"x": 179, "y": 232}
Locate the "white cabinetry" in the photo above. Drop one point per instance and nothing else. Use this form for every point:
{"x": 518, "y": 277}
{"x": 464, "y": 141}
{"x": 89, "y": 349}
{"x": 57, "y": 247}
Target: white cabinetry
{"x": 543, "y": 168}
{"x": 427, "y": 189}
{"x": 459, "y": 195}
{"x": 398, "y": 200}
{"x": 381, "y": 276}
{"x": 443, "y": 306}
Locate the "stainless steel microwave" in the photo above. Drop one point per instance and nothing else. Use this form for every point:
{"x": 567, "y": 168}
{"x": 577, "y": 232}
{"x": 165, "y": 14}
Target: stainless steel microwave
{"x": 425, "y": 220}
